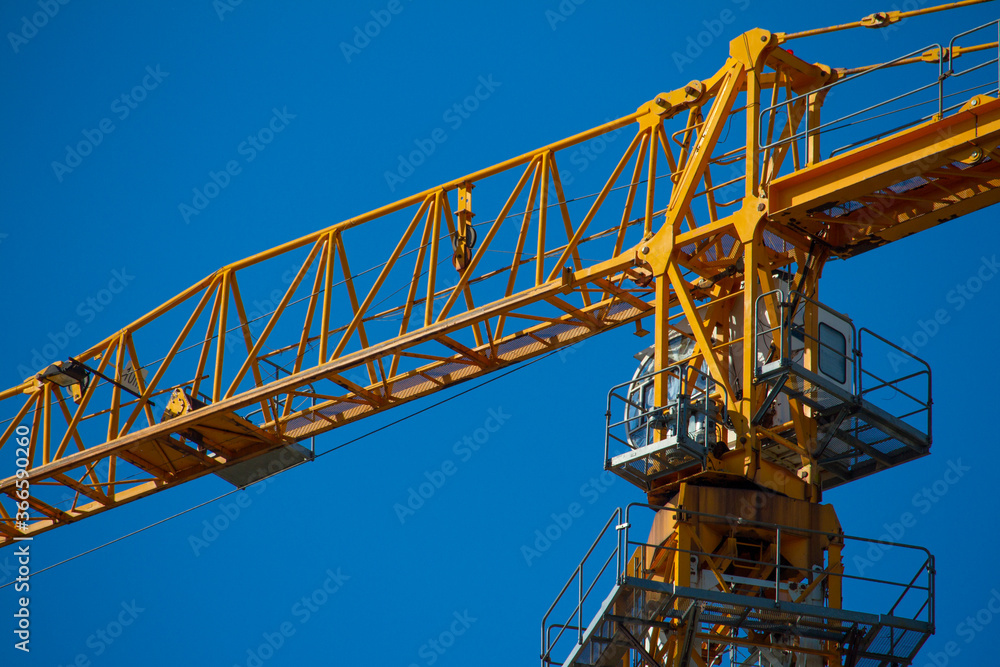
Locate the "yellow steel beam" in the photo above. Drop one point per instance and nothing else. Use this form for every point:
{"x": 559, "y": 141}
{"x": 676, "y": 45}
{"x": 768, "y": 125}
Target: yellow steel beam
{"x": 670, "y": 265}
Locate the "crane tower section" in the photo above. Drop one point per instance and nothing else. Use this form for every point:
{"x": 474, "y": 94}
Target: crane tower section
{"x": 757, "y": 396}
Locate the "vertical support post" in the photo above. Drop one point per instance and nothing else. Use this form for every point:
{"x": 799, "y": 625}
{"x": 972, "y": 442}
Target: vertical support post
{"x": 434, "y": 221}
{"x": 324, "y": 334}
{"x": 807, "y": 426}
{"x": 116, "y": 394}
{"x": 777, "y": 566}
{"x": 543, "y": 177}
{"x": 661, "y": 356}
{"x": 940, "y": 79}
{"x": 805, "y": 128}
{"x": 621, "y": 546}
{"x": 682, "y": 574}
{"x": 752, "y": 180}
{"x": 651, "y": 182}
{"x": 751, "y": 290}
{"x": 835, "y": 568}
{"x": 750, "y": 49}
{"x": 220, "y": 341}
{"x": 812, "y": 120}
{"x": 931, "y": 594}
{"x": 47, "y": 423}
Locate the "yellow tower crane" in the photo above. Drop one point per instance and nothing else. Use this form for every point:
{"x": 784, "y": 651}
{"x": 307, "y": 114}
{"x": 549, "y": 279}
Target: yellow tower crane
{"x": 756, "y": 396}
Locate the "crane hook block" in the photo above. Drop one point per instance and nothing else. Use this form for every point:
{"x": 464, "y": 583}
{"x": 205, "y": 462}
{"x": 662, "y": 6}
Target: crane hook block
{"x": 463, "y": 239}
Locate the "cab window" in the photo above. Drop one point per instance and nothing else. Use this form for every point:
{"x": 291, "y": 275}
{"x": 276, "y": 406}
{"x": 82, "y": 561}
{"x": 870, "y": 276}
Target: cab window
{"x": 832, "y": 353}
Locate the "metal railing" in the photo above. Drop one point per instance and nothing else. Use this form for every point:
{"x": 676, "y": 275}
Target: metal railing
{"x": 641, "y": 417}
{"x": 907, "y": 387}
{"x": 951, "y": 49}
{"x": 257, "y": 415}
{"x": 649, "y": 440}
{"x": 807, "y": 132}
{"x": 931, "y": 54}
{"x": 901, "y": 592}
{"x": 577, "y": 612}
{"x": 785, "y": 574}
{"x": 874, "y": 362}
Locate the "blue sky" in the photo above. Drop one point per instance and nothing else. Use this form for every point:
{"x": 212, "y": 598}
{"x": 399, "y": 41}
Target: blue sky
{"x": 169, "y": 94}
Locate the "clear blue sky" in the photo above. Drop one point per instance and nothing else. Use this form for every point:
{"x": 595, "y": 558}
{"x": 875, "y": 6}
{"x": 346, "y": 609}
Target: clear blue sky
{"x": 213, "y": 74}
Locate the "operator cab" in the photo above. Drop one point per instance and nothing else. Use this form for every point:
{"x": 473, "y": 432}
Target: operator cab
{"x": 872, "y": 412}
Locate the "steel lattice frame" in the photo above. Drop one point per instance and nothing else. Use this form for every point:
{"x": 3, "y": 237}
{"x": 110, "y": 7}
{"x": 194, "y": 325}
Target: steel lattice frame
{"x": 674, "y": 250}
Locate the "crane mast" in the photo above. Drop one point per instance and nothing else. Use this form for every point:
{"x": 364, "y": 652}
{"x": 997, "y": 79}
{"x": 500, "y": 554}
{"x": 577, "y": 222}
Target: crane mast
{"x": 711, "y": 228}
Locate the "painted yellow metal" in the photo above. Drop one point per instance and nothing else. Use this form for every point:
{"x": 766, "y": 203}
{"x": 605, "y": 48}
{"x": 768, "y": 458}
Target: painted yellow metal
{"x": 692, "y": 538}
{"x": 878, "y": 20}
{"x": 659, "y": 240}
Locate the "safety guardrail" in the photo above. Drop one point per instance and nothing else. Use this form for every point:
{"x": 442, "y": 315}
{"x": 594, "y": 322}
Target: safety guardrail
{"x": 647, "y": 440}
{"x": 874, "y": 374}
{"x": 907, "y": 594}
{"x": 932, "y": 54}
